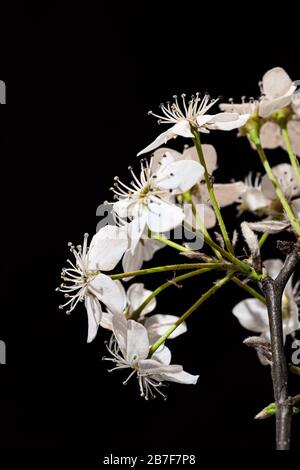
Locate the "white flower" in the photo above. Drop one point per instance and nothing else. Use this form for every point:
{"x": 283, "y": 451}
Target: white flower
{"x": 261, "y": 197}
{"x": 253, "y": 199}
{"x": 144, "y": 251}
{"x": 84, "y": 281}
{"x": 287, "y": 180}
{"x": 271, "y": 136}
{"x": 156, "y": 325}
{"x": 132, "y": 299}
{"x": 226, "y": 194}
{"x": 148, "y": 201}
{"x": 296, "y": 103}
{"x": 253, "y": 315}
{"x": 129, "y": 348}
{"x": 245, "y": 107}
{"x": 277, "y": 90}
{"x": 192, "y": 115}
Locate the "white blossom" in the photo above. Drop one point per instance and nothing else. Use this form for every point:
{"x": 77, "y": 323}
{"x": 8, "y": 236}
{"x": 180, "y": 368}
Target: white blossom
{"x": 271, "y": 136}
{"x": 156, "y": 325}
{"x": 144, "y": 251}
{"x": 148, "y": 201}
{"x": 84, "y": 281}
{"x": 260, "y": 197}
{"x": 226, "y": 194}
{"x": 253, "y": 314}
{"x": 129, "y": 349}
{"x": 187, "y": 116}
{"x": 277, "y": 91}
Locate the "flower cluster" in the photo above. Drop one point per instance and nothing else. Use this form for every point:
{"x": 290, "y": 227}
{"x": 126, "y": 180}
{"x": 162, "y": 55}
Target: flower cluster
{"x": 164, "y": 194}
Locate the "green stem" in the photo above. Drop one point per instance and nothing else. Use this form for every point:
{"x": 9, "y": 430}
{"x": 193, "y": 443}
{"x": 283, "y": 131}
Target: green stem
{"x": 253, "y": 134}
{"x": 135, "y": 315}
{"x": 194, "y": 307}
{"x": 239, "y": 265}
{"x": 211, "y": 193}
{"x": 249, "y": 289}
{"x": 263, "y": 238}
{"x": 166, "y": 241}
{"x": 199, "y": 222}
{"x": 290, "y": 152}
{"x": 170, "y": 267}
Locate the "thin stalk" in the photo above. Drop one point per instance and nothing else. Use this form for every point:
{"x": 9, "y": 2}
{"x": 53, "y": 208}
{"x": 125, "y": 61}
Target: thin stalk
{"x": 263, "y": 238}
{"x": 249, "y": 289}
{"x": 255, "y": 139}
{"x": 239, "y": 265}
{"x": 166, "y": 241}
{"x": 135, "y": 315}
{"x": 170, "y": 267}
{"x": 199, "y": 222}
{"x": 289, "y": 150}
{"x": 211, "y": 193}
{"x": 194, "y": 307}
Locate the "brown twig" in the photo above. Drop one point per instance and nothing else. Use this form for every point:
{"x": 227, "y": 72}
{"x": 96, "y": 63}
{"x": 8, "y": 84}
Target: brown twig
{"x": 273, "y": 290}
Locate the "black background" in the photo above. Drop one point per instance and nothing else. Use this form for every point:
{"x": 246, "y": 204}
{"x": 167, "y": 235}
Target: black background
{"x": 80, "y": 81}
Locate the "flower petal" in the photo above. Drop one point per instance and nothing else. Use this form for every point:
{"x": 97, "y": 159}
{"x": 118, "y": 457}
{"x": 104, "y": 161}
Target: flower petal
{"x": 136, "y": 228}
{"x": 287, "y": 180}
{"x": 226, "y": 194}
{"x": 210, "y": 156}
{"x": 205, "y": 214}
{"x": 227, "y": 121}
{"x": 150, "y": 247}
{"x": 144, "y": 251}
{"x": 132, "y": 262}
{"x": 107, "y": 320}
{"x": 163, "y": 216}
{"x": 270, "y": 135}
{"x": 108, "y": 292}
{"x": 163, "y": 155}
{"x": 273, "y": 267}
{"x": 296, "y": 207}
{"x": 267, "y": 107}
{"x": 137, "y": 342}
{"x": 162, "y": 355}
{"x": 94, "y": 313}
{"x": 276, "y": 83}
{"x": 107, "y": 248}
{"x": 252, "y": 315}
{"x": 294, "y": 134}
{"x": 181, "y": 128}
{"x": 136, "y": 295}
{"x": 203, "y": 120}
{"x": 240, "y": 108}
{"x": 254, "y": 199}
{"x": 119, "y": 324}
{"x": 181, "y": 175}
{"x": 181, "y": 377}
{"x": 157, "y": 325}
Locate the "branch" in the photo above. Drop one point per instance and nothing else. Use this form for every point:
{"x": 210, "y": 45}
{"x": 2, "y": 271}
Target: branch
{"x": 273, "y": 290}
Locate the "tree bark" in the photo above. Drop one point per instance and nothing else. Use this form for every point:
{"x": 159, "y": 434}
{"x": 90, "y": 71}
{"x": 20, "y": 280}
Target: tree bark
{"x": 273, "y": 291}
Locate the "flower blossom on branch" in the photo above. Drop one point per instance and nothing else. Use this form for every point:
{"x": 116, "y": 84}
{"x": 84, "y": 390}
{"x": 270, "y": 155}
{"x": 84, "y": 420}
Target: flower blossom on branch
{"x": 129, "y": 349}
{"x": 83, "y": 280}
{"x": 190, "y": 115}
